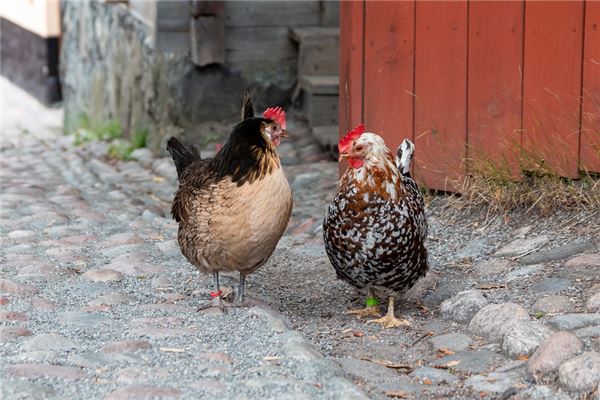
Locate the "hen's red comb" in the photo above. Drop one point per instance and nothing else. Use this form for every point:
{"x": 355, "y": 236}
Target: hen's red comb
{"x": 276, "y": 114}
{"x": 345, "y": 142}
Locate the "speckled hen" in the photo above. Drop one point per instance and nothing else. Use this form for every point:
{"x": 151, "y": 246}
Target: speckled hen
{"x": 375, "y": 228}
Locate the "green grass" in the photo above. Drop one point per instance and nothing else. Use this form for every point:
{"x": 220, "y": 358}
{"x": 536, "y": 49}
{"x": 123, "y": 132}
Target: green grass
{"x": 109, "y": 131}
{"x": 122, "y": 149}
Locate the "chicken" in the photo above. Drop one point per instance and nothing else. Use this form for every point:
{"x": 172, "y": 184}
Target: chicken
{"x": 233, "y": 209}
{"x": 375, "y": 227}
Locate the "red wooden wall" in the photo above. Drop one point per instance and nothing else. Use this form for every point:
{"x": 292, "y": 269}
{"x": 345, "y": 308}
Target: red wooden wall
{"x": 515, "y": 84}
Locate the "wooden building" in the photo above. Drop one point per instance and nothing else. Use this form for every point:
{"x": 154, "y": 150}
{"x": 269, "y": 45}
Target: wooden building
{"x": 512, "y": 83}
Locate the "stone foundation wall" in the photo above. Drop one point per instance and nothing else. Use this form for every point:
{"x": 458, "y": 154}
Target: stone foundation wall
{"x": 111, "y": 69}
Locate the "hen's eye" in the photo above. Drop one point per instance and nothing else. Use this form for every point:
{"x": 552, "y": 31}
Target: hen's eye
{"x": 359, "y": 148}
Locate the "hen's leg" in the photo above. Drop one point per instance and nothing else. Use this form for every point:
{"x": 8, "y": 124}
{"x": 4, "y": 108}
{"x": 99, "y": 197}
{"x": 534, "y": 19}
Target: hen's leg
{"x": 239, "y": 296}
{"x": 372, "y": 308}
{"x": 389, "y": 321}
{"x": 217, "y": 300}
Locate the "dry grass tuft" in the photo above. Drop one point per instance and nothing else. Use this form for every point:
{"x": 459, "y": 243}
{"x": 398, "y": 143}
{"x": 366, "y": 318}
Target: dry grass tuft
{"x": 493, "y": 187}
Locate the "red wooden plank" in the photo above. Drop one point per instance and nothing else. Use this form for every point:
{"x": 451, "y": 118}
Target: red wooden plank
{"x": 389, "y": 70}
{"x": 441, "y": 90}
{"x": 494, "y": 93}
{"x": 351, "y": 64}
{"x": 552, "y": 85}
{"x": 590, "y": 121}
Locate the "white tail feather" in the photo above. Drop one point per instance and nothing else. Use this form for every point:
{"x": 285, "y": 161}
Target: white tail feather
{"x": 404, "y": 155}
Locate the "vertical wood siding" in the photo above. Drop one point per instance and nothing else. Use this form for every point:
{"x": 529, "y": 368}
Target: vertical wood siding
{"x": 510, "y": 83}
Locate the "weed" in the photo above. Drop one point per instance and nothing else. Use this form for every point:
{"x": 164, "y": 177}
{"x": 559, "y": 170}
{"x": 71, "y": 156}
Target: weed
{"x": 122, "y": 149}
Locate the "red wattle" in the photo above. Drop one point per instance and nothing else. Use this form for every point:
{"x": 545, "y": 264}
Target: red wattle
{"x": 355, "y": 162}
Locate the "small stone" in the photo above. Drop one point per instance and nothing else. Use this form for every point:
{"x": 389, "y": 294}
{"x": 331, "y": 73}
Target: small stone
{"x": 83, "y": 320}
{"x": 593, "y": 303}
{"x": 451, "y": 341}
{"x": 141, "y": 374}
{"x": 553, "y": 304}
{"x": 495, "y": 320}
{"x": 120, "y": 239}
{"x": 524, "y": 338}
{"x": 433, "y": 375}
{"x": 21, "y": 234}
{"x": 90, "y": 360}
{"x": 301, "y": 352}
{"x": 469, "y": 362}
{"x": 543, "y": 392}
{"x": 112, "y": 299}
{"x": 553, "y": 351}
{"x": 276, "y": 322}
{"x": 143, "y": 392}
{"x": 556, "y": 253}
{"x": 569, "y": 322}
{"x": 523, "y": 272}
{"x": 17, "y": 289}
{"x": 126, "y": 346}
{"x": 11, "y": 332}
{"x": 581, "y": 373}
{"x": 584, "y": 260}
{"x": 161, "y": 282}
{"x": 493, "y": 267}
{"x": 590, "y": 331}
{"x": 49, "y": 341}
{"x": 493, "y": 382}
{"x": 134, "y": 264}
{"x": 551, "y": 285}
{"x": 104, "y": 275}
{"x": 12, "y": 316}
{"x": 24, "y": 390}
{"x": 209, "y": 385}
{"x": 40, "y": 303}
{"x": 522, "y": 246}
{"x": 44, "y": 371}
{"x": 463, "y": 306}
{"x": 4, "y": 300}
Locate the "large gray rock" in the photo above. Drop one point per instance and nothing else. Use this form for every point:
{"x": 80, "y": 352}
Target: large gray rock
{"x": 522, "y": 246}
{"x": 524, "y": 338}
{"x": 557, "y": 253}
{"x": 493, "y": 382}
{"x": 463, "y": 306}
{"x": 569, "y": 322}
{"x": 451, "y": 341}
{"x": 558, "y": 348}
{"x": 581, "y": 373}
{"x": 553, "y": 304}
{"x": 495, "y": 320}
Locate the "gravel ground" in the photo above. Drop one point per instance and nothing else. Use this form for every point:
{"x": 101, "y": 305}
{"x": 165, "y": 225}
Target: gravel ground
{"x": 97, "y": 302}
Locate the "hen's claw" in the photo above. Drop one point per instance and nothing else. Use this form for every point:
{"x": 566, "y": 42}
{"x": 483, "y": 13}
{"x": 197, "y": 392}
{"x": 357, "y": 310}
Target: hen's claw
{"x": 389, "y": 321}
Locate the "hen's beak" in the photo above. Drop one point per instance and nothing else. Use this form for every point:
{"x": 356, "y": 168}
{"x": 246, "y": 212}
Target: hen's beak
{"x": 344, "y": 155}
{"x": 284, "y": 133}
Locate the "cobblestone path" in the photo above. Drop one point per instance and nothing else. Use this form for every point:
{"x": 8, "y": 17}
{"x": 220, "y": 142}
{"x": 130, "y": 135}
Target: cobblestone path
{"x": 97, "y": 302}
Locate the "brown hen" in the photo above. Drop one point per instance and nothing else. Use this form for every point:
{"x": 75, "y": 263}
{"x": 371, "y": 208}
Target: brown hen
{"x": 233, "y": 209}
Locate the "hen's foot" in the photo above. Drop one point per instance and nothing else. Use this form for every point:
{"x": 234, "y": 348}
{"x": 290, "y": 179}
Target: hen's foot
{"x": 216, "y": 306}
{"x": 389, "y": 321}
{"x": 370, "y": 311}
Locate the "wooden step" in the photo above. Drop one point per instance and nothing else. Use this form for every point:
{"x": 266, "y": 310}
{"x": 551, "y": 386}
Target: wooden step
{"x": 299, "y": 34}
{"x": 320, "y": 84}
{"x": 318, "y": 50}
